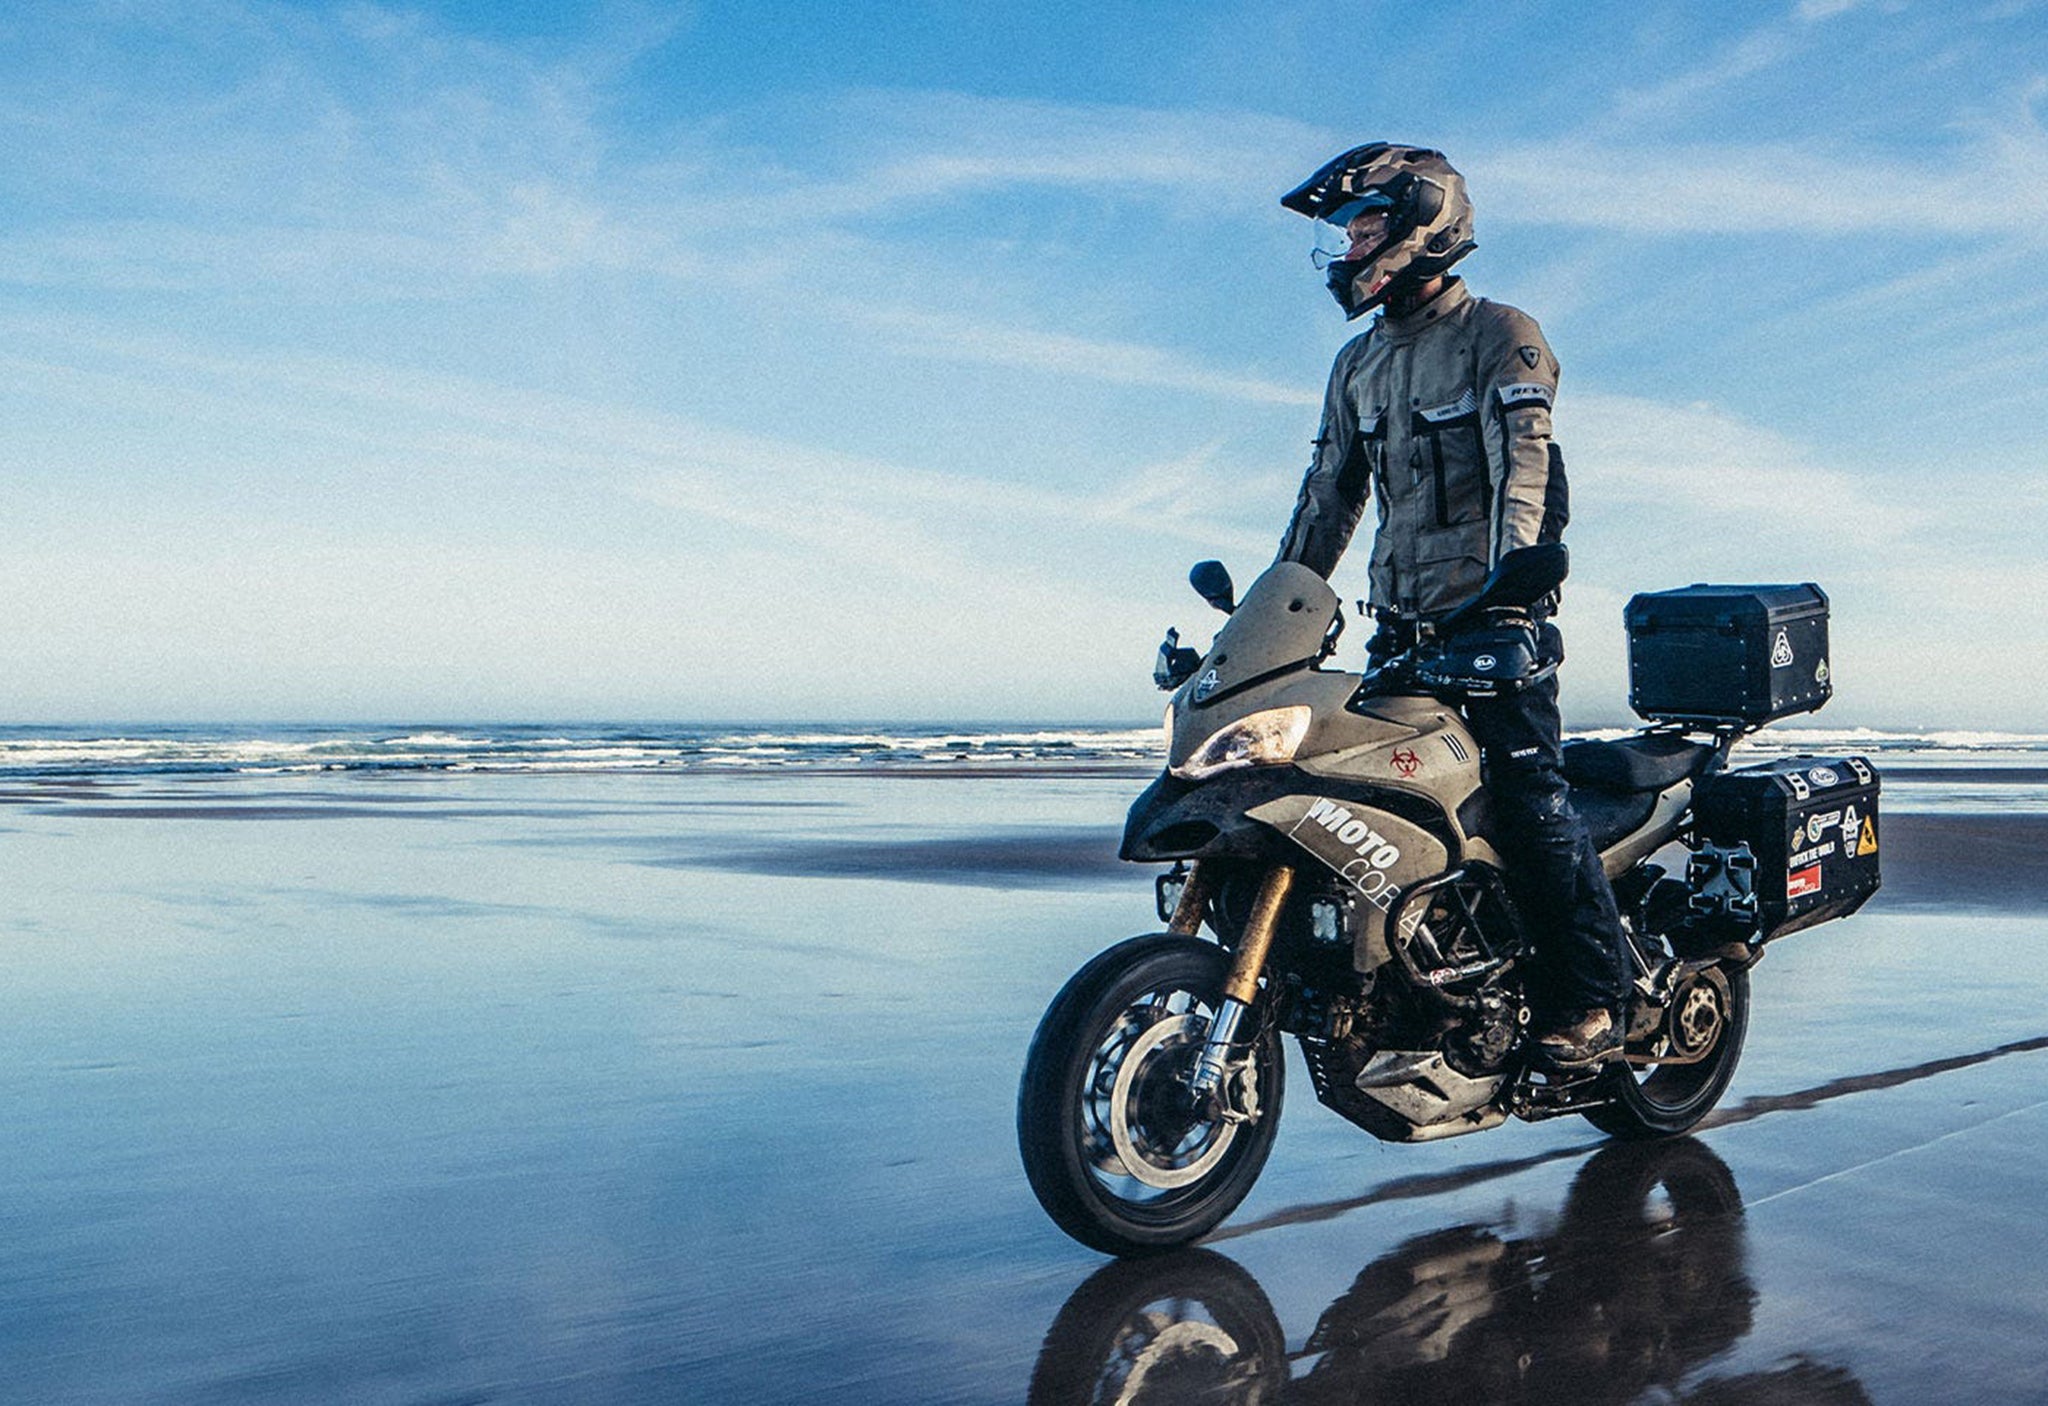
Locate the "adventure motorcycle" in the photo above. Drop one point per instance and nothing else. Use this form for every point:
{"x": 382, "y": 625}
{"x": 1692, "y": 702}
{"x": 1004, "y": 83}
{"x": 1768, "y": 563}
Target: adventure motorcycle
{"x": 1329, "y": 831}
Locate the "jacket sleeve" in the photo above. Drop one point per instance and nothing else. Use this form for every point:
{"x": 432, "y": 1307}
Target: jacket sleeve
{"x": 1517, "y": 378}
{"x": 1339, "y": 481}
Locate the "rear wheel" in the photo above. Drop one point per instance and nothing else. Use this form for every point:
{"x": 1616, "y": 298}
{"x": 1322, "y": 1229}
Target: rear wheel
{"x": 1661, "y": 1100}
{"x": 1113, "y": 1147}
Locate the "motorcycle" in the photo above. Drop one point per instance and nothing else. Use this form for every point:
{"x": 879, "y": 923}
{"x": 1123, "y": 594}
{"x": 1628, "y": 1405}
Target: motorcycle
{"x": 1337, "y": 877}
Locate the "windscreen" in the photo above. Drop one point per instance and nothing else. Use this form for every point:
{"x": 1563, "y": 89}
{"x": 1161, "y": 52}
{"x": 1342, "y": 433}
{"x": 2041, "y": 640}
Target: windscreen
{"x": 1281, "y": 621}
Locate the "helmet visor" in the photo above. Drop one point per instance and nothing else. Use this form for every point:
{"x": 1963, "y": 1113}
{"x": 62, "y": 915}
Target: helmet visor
{"x": 1374, "y": 199}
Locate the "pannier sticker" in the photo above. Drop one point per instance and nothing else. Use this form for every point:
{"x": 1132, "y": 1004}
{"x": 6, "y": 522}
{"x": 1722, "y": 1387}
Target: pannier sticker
{"x": 1818, "y": 824}
{"x": 1823, "y": 776}
{"x": 1801, "y": 882}
{"x": 1781, "y": 651}
{"x": 1849, "y": 822}
{"x": 1820, "y": 672}
{"x": 1812, "y": 856}
{"x": 1868, "y": 844}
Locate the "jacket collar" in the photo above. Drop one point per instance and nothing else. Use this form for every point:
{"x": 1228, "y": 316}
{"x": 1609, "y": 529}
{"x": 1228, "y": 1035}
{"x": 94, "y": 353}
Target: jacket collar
{"x": 1410, "y": 324}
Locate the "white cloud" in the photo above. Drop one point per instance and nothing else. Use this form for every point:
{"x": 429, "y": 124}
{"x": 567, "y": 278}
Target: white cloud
{"x": 1699, "y": 464}
{"x": 1993, "y": 186}
{"x": 919, "y": 333}
{"x": 927, "y": 145}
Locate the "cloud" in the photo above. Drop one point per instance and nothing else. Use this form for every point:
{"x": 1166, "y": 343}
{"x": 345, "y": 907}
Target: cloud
{"x": 923, "y": 146}
{"x": 918, "y": 333}
{"x": 246, "y": 145}
{"x": 1754, "y": 189}
{"x": 1689, "y": 465}
{"x": 1749, "y": 54}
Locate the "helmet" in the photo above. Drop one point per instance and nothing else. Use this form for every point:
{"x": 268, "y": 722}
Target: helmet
{"x": 1429, "y": 218}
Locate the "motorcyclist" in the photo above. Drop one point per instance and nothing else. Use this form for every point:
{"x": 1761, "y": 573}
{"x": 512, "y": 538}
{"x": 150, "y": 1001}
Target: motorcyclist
{"x": 1440, "y": 412}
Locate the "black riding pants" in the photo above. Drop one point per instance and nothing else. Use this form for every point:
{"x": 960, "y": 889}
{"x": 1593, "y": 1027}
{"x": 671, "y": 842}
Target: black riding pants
{"x": 1552, "y": 865}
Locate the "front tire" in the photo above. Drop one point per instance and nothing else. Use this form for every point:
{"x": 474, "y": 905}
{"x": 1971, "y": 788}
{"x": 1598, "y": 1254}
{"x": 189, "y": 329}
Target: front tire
{"x": 1111, "y": 1149}
{"x": 1664, "y": 1100}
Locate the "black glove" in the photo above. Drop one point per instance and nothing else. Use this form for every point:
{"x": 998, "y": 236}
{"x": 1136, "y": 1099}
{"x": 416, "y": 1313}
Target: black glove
{"x": 1393, "y": 636}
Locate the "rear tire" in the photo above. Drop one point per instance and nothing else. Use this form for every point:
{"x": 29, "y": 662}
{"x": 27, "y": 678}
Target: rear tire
{"x": 1115, "y": 1158}
{"x": 1664, "y": 1100}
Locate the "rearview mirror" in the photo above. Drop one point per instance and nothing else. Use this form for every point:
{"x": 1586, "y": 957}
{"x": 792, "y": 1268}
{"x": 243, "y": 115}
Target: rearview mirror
{"x": 1212, "y": 582}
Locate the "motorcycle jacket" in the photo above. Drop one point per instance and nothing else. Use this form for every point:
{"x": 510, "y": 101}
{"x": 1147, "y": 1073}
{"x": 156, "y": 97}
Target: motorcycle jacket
{"x": 1441, "y": 416}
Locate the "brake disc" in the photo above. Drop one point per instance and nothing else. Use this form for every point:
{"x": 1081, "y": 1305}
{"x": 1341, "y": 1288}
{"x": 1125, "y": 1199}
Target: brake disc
{"x": 1150, "y": 1056}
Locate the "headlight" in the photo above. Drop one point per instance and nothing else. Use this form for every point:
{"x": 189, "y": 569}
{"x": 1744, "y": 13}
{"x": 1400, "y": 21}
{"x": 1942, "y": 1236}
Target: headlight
{"x": 1269, "y": 738}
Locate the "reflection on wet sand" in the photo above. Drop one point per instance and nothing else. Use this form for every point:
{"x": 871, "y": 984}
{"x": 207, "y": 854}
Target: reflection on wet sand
{"x": 1755, "y": 1106}
{"x": 1639, "y": 1283}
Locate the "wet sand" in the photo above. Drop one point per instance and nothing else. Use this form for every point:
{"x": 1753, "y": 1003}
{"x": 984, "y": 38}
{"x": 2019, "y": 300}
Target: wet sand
{"x": 619, "y": 1088}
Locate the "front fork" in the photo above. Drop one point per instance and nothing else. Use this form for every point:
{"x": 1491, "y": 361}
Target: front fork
{"x": 1241, "y": 986}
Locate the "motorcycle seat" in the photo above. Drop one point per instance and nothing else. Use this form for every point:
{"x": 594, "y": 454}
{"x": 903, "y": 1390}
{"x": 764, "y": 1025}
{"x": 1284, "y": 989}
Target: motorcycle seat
{"x": 1646, "y": 762}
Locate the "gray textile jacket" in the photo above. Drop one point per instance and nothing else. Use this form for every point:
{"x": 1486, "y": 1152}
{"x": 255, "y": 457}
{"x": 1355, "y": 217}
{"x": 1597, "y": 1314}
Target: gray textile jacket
{"x": 1441, "y": 416}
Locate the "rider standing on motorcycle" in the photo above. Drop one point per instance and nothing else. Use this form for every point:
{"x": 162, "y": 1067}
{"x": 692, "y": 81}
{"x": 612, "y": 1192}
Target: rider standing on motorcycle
{"x": 1441, "y": 410}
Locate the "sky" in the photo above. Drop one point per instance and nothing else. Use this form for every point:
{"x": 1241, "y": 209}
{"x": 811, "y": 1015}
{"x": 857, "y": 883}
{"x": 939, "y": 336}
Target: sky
{"x": 893, "y": 361}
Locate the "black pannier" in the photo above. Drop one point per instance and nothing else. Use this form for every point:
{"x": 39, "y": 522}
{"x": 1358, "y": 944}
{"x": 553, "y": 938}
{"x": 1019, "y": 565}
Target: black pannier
{"x": 1811, "y": 824}
{"x": 1728, "y": 654}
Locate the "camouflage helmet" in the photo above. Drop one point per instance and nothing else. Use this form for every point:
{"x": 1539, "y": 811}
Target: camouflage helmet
{"x": 1429, "y": 218}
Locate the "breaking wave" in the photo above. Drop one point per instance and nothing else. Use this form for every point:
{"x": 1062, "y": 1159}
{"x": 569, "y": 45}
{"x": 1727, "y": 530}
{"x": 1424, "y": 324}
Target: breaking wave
{"x": 31, "y": 751}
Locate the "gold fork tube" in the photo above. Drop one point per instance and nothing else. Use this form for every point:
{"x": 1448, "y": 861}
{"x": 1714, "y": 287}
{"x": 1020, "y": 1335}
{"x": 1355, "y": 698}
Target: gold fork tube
{"x": 1242, "y": 984}
{"x": 1194, "y": 896}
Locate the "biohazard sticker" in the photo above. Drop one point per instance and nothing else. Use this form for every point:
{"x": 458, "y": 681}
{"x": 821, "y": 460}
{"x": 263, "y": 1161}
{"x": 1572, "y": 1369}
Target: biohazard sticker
{"x": 1781, "y": 651}
{"x": 1406, "y": 762}
{"x": 1868, "y": 843}
{"x": 1801, "y": 882}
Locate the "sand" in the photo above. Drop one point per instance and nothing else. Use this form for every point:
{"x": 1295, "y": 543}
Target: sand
{"x": 612, "y": 1088}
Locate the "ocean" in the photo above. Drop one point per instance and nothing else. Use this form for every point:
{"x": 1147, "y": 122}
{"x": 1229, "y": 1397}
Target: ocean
{"x": 271, "y": 749}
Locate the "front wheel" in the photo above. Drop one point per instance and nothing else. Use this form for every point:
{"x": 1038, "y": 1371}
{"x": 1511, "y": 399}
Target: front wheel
{"x": 1112, "y": 1146}
{"x": 1663, "y": 1100}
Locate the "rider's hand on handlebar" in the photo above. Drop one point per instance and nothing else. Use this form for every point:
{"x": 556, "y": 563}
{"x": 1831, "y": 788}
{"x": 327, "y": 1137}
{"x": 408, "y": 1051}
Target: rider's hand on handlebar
{"x": 1391, "y": 638}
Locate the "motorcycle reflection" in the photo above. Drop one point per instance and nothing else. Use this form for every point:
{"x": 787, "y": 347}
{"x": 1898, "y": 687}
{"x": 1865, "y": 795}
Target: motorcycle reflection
{"x": 1641, "y": 1281}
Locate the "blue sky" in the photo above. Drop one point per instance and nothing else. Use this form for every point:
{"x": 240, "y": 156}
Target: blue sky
{"x": 864, "y": 361}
